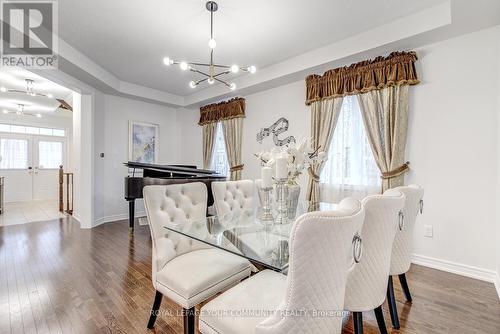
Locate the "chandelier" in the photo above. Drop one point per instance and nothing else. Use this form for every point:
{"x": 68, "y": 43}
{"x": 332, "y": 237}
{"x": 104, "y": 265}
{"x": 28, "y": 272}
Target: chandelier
{"x": 30, "y": 90}
{"x": 20, "y": 112}
{"x": 211, "y": 72}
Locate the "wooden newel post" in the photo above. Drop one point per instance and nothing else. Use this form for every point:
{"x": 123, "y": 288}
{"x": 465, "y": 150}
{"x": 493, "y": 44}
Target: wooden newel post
{"x": 61, "y": 192}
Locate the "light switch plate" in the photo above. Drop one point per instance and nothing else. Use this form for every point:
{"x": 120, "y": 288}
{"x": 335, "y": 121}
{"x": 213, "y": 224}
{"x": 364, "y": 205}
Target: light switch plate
{"x": 428, "y": 232}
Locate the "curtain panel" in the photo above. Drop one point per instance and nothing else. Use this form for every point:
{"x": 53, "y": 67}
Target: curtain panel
{"x": 396, "y": 69}
{"x": 209, "y": 131}
{"x": 324, "y": 117}
{"x": 230, "y": 114}
{"x": 385, "y": 115}
{"x": 233, "y": 134}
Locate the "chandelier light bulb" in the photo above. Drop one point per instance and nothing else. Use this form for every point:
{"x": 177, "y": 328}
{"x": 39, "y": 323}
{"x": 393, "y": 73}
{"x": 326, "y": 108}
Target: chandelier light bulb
{"x": 235, "y": 68}
{"x": 3, "y": 89}
{"x": 50, "y": 95}
{"x": 38, "y": 115}
{"x": 167, "y": 61}
{"x": 5, "y": 111}
{"x": 184, "y": 66}
{"x": 192, "y": 84}
{"x": 210, "y": 81}
{"x": 19, "y": 113}
{"x": 212, "y": 43}
{"x": 232, "y": 86}
{"x": 252, "y": 69}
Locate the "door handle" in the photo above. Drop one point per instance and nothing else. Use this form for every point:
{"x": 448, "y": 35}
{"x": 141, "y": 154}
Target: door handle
{"x": 30, "y": 169}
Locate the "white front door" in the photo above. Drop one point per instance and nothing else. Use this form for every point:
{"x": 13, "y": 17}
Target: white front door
{"x": 48, "y": 155}
{"x": 16, "y": 166}
{"x": 30, "y": 165}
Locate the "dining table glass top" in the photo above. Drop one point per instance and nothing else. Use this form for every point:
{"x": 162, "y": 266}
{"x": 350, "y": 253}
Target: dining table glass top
{"x": 247, "y": 235}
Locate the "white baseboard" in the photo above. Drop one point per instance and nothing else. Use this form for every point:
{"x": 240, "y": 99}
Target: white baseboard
{"x": 113, "y": 218}
{"x": 459, "y": 269}
{"x": 497, "y": 284}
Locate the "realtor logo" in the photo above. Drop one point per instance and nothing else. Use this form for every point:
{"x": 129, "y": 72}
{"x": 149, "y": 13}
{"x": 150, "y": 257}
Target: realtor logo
{"x": 29, "y": 34}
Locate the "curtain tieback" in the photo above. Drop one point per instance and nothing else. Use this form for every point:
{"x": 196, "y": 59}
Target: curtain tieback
{"x": 396, "y": 172}
{"x": 313, "y": 176}
{"x": 236, "y": 168}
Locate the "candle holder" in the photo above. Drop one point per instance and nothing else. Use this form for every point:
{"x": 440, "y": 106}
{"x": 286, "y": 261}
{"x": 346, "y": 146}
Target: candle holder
{"x": 281, "y": 201}
{"x": 265, "y": 203}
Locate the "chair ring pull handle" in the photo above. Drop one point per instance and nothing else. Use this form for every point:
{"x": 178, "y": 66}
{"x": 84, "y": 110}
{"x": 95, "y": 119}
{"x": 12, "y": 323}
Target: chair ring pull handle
{"x": 357, "y": 249}
{"x": 421, "y": 206}
{"x": 401, "y": 220}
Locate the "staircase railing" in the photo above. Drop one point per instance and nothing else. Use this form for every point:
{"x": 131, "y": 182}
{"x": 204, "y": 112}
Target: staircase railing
{"x": 65, "y": 191}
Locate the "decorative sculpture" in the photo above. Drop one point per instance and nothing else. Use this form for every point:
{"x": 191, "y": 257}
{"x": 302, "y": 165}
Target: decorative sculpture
{"x": 280, "y": 126}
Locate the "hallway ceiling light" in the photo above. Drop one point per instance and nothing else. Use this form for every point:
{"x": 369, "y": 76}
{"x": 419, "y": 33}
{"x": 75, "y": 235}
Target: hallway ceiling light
{"x": 210, "y": 74}
{"x": 20, "y": 112}
{"x": 30, "y": 90}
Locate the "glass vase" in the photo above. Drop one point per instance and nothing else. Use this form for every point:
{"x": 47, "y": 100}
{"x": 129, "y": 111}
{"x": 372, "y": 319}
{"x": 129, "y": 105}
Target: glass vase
{"x": 293, "y": 197}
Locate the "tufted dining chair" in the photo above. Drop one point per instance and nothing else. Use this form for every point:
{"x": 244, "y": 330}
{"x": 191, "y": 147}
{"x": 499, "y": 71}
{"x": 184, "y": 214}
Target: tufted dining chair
{"x": 186, "y": 271}
{"x": 233, "y": 197}
{"x": 320, "y": 254}
{"x": 403, "y": 247}
{"x": 367, "y": 280}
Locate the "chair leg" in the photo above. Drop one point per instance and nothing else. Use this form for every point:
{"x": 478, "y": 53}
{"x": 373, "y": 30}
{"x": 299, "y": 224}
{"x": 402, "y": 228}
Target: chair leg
{"x": 189, "y": 320}
{"x": 154, "y": 310}
{"x": 380, "y": 320}
{"x": 357, "y": 318}
{"x": 391, "y": 299}
{"x": 404, "y": 286}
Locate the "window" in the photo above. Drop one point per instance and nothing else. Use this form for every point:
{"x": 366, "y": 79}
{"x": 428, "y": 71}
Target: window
{"x": 350, "y": 169}
{"x": 12, "y": 128}
{"x": 50, "y": 154}
{"x": 219, "y": 158}
{"x": 13, "y": 153}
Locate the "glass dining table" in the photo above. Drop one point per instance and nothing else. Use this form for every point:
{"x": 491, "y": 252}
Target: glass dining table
{"x": 264, "y": 243}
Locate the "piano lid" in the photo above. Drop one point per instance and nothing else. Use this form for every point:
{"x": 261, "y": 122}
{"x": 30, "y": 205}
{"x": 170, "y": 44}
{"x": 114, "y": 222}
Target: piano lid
{"x": 170, "y": 168}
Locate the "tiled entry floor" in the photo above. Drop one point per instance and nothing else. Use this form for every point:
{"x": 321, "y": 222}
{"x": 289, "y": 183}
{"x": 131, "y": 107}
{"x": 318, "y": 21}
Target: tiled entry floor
{"x": 31, "y": 211}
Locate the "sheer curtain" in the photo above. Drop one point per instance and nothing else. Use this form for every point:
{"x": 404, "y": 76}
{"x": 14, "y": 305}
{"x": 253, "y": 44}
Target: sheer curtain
{"x": 50, "y": 154}
{"x": 13, "y": 153}
{"x": 219, "y": 161}
{"x": 351, "y": 169}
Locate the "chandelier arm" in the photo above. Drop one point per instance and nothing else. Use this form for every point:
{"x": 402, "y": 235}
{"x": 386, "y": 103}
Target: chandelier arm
{"x": 221, "y": 73}
{"x": 199, "y": 64}
{"x": 200, "y": 81}
{"x": 16, "y": 91}
{"x": 222, "y": 81}
{"x": 199, "y": 72}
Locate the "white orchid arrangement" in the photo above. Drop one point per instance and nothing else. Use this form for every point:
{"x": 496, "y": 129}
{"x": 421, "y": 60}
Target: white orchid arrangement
{"x": 300, "y": 156}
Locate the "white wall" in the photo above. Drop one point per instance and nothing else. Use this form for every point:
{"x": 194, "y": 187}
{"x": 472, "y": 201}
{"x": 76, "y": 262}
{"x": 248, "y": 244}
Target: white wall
{"x": 452, "y": 147}
{"x": 498, "y": 165}
{"x": 190, "y": 141}
{"x": 111, "y": 138}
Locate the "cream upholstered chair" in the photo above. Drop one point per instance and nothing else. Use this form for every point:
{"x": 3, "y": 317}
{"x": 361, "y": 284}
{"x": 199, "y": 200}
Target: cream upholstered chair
{"x": 233, "y": 197}
{"x": 320, "y": 253}
{"x": 367, "y": 281}
{"x": 403, "y": 246}
{"x": 186, "y": 271}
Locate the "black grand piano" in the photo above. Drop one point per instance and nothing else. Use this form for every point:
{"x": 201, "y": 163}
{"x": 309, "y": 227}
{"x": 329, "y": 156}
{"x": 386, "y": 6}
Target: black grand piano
{"x": 153, "y": 174}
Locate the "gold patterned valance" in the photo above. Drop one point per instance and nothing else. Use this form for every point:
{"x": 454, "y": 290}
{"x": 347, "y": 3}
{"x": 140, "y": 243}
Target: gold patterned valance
{"x": 216, "y": 112}
{"x": 396, "y": 69}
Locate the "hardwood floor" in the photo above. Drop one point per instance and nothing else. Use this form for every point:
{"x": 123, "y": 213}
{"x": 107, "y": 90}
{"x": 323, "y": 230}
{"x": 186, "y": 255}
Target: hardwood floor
{"x": 57, "y": 278}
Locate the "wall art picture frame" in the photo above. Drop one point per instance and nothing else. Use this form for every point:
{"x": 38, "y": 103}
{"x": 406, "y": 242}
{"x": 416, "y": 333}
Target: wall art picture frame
{"x": 143, "y": 142}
